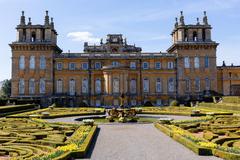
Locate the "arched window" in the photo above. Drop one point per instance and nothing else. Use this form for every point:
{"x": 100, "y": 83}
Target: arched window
{"x": 42, "y": 62}
{"x": 31, "y": 86}
{"x": 195, "y": 36}
{"x": 171, "y": 85}
{"x": 133, "y": 86}
{"x": 98, "y": 86}
{"x": 158, "y": 85}
{"x": 145, "y": 85}
{"x": 59, "y": 86}
{"x": 115, "y": 85}
{"x": 21, "y": 62}
{"x": 33, "y": 37}
{"x": 32, "y": 62}
{"x": 196, "y": 62}
{"x": 72, "y": 87}
{"x": 21, "y": 87}
{"x": 85, "y": 85}
{"x": 42, "y": 86}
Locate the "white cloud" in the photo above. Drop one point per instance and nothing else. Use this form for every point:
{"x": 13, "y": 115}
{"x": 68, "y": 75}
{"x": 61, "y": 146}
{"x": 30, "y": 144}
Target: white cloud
{"x": 83, "y": 37}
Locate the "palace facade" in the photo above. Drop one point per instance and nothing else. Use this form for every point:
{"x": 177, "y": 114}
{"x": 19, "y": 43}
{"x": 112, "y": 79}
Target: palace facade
{"x": 103, "y": 73}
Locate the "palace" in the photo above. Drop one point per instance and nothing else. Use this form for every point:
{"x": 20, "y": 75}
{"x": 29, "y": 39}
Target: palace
{"x": 103, "y": 73}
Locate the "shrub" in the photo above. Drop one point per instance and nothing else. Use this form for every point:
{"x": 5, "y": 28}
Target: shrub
{"x": 174, "y": 103}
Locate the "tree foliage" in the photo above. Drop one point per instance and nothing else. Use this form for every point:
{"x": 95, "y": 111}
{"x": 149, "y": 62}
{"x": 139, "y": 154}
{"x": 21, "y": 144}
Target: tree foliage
{"x": 6, "y": 88}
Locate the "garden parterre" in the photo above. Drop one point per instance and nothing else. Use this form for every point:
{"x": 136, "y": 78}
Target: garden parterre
{"x": 217, "y": 135}
{"x": 38, "y": 140}
{"x": 53, "y": 112}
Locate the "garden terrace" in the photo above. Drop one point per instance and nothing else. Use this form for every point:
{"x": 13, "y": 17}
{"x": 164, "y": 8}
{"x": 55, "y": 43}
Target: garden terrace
{"x": 59, "y": 112}
{"x": 7, "y": 110}
{"x": 217, "y": 135}
{"x": 36, "y": 139}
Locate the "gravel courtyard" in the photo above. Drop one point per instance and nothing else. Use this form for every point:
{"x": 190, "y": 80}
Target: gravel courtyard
{"x": 139, "y": 142}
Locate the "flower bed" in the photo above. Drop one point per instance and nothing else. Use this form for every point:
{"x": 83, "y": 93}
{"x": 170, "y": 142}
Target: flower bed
{"x": 38, "y": 140}
{"x": 217, "y": 135}
{"x": 50, "y": 112}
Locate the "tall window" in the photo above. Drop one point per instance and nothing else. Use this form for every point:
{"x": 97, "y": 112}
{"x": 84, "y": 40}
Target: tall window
{"x": 42, "y": 86}
{"x": 197, "y": 84}
{"x": 133, "y": 65}
{"x": 145, "y": 65}
{"x": 97, "y": 65}
{"x": 59, "y": 86}
{"x": 170, "y": 65}
{"x": 158, "y": 85}
{"x": 115, "y": 85}
{"x": 59, "y": 66}
{"x": 187, "y": 81}
{"x": 21, "y": 62}
{"x": 72, "y": 87}
{"x": 21, "y": 87}
{"x": 159, "y": 102}
{"x": 196, "y": 62}
{"x": 133, "y": 86}
{"x": 85, "y": 85}
{"x": 31, "y": 86}
{"x": 171, "y": 85}
{"x": 186, "y": 62}
{"x": 98, "y": 86}
{"x": 32, "y": 62}
{"x": 207, "y": 83}
{"x": 206, "y": 61}
{"x": 145, "y": 85}
{"x": 42, "y": 62}
{"x": 72, "y": 66}
{"x": 85, "y": 66}
{"x": 158, "y": 65}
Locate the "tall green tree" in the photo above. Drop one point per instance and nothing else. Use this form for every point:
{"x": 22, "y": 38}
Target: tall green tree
{"x": 6, "y": 88}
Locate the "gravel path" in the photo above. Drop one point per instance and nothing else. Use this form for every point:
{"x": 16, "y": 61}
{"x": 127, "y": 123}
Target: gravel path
{"x": 136, "y": 142}
{"x": 139, "y": 142}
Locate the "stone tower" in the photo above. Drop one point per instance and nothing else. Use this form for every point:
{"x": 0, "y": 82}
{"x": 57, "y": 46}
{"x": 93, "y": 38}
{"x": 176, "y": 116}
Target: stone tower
{"x": 196, "y": 57}
{"x": 32, "y": 58}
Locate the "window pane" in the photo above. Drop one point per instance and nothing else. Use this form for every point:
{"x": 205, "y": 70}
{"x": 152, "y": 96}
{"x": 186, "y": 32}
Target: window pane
{"x": 133, "y": 87}
{"x": 146, "y": 85}
{"x": 197, "y": 84}
{"x": 32, "y": 62}
{"x": 171, "y": 85}
{"x": 59, "y": 86}
{"x": 42, "y": 86}
{"x": 186, "y": 62}
{"x": 158, "y": 85}
{"x": 42, "y": 62}
{"x": 59, "y": 66}
{"x": 84, "y": 86}
{"x": 21, "y": 62}
{"x": 196, "y": 62}
{"x": 72, "y": 87}
{"x": 206, "y": 62}
{"x": 31, "y": 86}
{"x": 85, "y": 66}
{"x": 133, "y": 65}
{"x": 115, "y": 85}
{"x": 158, "y": 65}
{"x": 98, "y": 86}
{"x": 21, "y": 86}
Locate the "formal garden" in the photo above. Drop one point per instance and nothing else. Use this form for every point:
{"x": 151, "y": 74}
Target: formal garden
{"x": 26, "y": 133}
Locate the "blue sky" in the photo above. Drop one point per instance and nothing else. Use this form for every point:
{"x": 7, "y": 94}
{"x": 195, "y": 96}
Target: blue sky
{"x": 147, "y": 23}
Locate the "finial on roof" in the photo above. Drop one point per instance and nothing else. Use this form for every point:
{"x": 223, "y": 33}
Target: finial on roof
{"x": 29, "y": 21}
{"x": 205, "y": 19}
{"x": 176, "y": 21}
{"x": 22, "y": 21}
{"x": 46, "y": 18}
{"x": 181, "y": 18}
{"x": 223, "y": 64}
{"x": 198, "y": 21}
{"x": 101, "y": 41}
{"x": 52, "y": 23}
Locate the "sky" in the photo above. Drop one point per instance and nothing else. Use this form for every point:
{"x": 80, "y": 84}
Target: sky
{"x": 146, "y": 23}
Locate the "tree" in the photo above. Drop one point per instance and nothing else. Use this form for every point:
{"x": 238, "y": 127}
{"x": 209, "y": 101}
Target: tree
{"x": 6, "y": 88}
